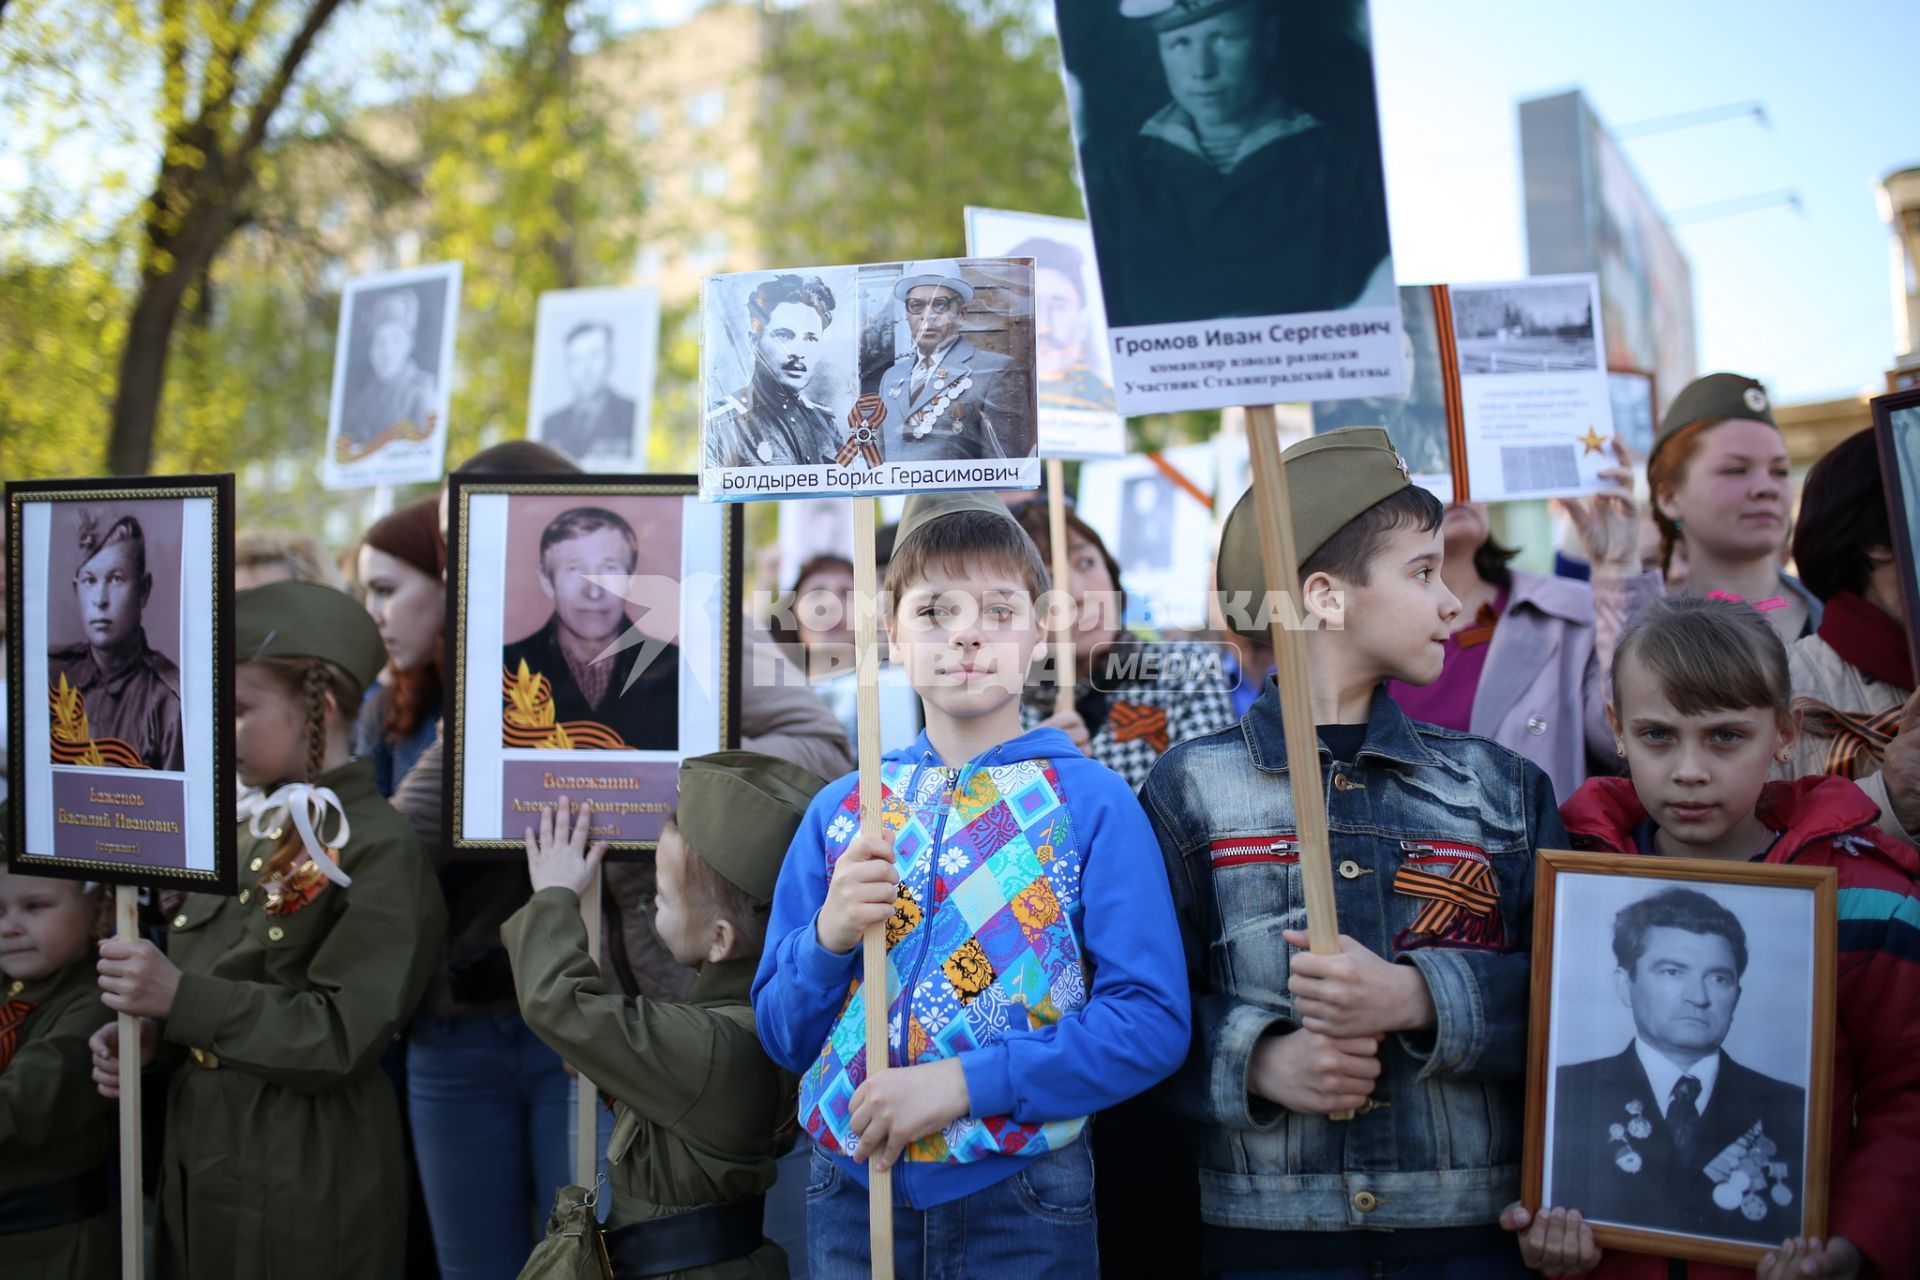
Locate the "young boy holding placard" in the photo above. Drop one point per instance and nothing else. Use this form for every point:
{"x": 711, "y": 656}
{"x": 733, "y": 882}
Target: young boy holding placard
{"x": 1010, "y": 868}
{"x": 1418, "y": 1026}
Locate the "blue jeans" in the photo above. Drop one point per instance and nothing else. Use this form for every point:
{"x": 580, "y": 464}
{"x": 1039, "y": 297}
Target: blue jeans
{"x": 1037, "y": 1224}
{"x": 1503, "y": 1264}
{"x": 488, "y": 1106}
{"x": 785, "y": 1222}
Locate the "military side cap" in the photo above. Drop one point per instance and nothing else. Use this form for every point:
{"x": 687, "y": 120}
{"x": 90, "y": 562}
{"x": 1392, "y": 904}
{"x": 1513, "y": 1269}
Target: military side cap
{"x": 307, "y": 620}
{"x": 1715, "y": 398}
{"x": 924, "y": 508}
{"x": 1168, "y": 14}
{"x": 738, "y": 811}
{"x": 1331, "y": 478}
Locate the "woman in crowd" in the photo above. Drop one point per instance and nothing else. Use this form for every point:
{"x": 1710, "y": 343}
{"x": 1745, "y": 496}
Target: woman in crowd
{"x": 1527, "y": 662}
{"x": 815, "y": 621}
{"x": 1853, "y": 678}
{"x": 399, "y": 569}
{"x": 1719, "y": 474}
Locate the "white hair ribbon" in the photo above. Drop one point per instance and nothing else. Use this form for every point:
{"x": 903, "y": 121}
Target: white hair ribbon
{"x": 307, "y": 807}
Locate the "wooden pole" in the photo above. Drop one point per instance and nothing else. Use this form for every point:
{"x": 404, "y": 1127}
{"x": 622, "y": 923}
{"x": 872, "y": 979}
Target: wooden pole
{"x": 126, "y": 927}
{"x": 1282, "y": 565}
{"x": 586, "y": 1101}
{"x": 873, "y": 946}
{"x": 1064, "y": 661}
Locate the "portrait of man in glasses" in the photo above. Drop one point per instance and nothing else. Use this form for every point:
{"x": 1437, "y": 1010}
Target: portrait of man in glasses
{"x": 945, "y": 399}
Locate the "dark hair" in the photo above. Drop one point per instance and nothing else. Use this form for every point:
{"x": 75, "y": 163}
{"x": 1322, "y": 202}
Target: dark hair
{"x": 1349, "y": 553}
{"x": 309, "y": 680}
{"x": 1687, "y": 909}
{"x": 586, "y": 327}
{"x": 520, "y": 457}
{"x": 809, "y": 291}
{"x": 1034, "y": 517}
{"x": 725, "y": 900}
{"x": 1708, "y": 655}
{"x": 581, "y": 521}
{"x": 1843, "y": 515}
{"x": 1493, "y": 562}
{"x": 786, "y": 629}
{"x": 412, "y": 536}
{"x": 1052, "y": 255}
{"x": 963, "y": 536}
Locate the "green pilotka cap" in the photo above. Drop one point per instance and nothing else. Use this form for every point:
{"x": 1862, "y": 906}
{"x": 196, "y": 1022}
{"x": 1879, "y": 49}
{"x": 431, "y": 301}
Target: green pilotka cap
{"x": 1331, "y": 478}
{"x": 1715, "y": 398}
{"x": 923, "y": 508}
{"x": 738, "y": 811}
{"x": 307, "y": 620}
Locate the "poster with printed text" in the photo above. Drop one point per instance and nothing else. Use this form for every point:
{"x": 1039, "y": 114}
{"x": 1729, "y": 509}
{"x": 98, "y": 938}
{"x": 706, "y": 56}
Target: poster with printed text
{"x": 392, "y": 378}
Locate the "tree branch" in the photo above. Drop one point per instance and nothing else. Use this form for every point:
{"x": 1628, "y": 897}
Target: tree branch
{"x": 276, "y": 89}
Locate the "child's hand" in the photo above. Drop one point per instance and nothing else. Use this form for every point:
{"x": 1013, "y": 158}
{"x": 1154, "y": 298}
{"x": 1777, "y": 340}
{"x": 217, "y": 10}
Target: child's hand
{"x": 554, "y": 856}
{"x": 1070, "y": 723}
{"x": 136, "y": 978}
{"x": 1356, "y": 993}
{"x": 1305, "y": 1071}
{"x": 1608, "y": 522}
{"x": 860, "y": 895}
{"x": 1554, "y": 1242}
{"x": 105, "y": 1044}
{"x": 1800, "y": 1258}
{"x": 904, "y": 1104}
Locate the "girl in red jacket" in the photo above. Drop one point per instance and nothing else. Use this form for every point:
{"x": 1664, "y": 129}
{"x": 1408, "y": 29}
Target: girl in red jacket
{"x": 1701, "y": 709}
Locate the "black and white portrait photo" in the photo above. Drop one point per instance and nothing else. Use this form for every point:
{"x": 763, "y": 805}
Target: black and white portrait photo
{"x": 392, "y": 378}
{"x": 1684, "y": 1044}
{"x": 595, "y": 352}
{"x": 1536, "y": 326}
{"x": 1896, "y": 427}
{"x": 873, "y": 379}
{"x": 1417, "y": 421}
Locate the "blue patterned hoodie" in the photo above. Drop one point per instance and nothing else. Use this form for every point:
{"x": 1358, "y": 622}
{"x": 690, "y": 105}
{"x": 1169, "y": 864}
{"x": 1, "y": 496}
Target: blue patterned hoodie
{"x": 1033, "y": 938}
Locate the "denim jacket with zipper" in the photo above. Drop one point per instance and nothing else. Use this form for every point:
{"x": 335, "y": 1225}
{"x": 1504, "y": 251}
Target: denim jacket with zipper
{"x": 1033, "y": 939}
{"x": 1433, "y": 834}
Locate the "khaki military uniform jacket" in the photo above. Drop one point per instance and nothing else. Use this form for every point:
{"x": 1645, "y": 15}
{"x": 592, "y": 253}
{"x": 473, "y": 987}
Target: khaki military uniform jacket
{"x": 138, "y": 704}
{"x": 283, "y": 1153}
{"x": 54, "y": 1125}
{"x": 700, "y": 1103}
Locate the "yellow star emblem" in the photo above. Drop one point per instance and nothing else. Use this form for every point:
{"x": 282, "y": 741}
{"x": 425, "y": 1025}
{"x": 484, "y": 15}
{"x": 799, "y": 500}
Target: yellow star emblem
{"x": 1593, "y": 440}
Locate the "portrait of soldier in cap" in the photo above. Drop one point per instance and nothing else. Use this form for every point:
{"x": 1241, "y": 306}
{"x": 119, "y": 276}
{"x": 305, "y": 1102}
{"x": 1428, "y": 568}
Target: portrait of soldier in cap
{"x": 944, "y": 398}
{"x": 772, "y": 421}
{"x": 597, "y": 668}
{"x": 1672, "y": 1133}
{"x": 1236, "y": 197}
{"x": 597, "y": 421}
{"x": 130, "y": 692}
{"x": 390, "y": 388}
{"x": 1064, "y": 363}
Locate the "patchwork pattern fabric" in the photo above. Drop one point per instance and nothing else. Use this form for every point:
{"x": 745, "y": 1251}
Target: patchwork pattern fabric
{"x": 984, "y": 941}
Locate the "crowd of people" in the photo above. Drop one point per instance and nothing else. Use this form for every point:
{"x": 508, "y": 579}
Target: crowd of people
{"x": 1112, "y": 1051}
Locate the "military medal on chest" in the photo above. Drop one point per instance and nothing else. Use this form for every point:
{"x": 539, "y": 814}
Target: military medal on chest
{"x": 1746, "y": 1176}
{"x": 317, "y": 865}
{"x": 1622, "y": 1135}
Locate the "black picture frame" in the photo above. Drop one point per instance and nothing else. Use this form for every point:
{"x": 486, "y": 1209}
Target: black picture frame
{"x": 1890, "y": 414}
{"x": 727, "y": 631}
{"x": 207, "y": 783}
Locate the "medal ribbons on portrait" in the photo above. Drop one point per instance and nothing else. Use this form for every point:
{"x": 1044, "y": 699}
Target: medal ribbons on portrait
{"x": 307, "y": 807}
{"x": 1745, "y": 1170}
{"x": 345, "y": 450}
{"x": 527, "y": 719}
{"x": 1636, "y": 1128}
{"x": 863, "y": 435}
{"x": 71, "y": 740}
{"x": 923, "y": 421}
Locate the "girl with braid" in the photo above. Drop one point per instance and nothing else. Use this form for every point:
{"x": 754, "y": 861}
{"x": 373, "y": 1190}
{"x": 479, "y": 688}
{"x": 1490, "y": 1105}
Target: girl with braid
{"x": 271, "y": 1008}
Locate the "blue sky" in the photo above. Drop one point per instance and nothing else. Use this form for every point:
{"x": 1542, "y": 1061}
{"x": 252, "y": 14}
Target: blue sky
{"x": 1803, "y": 301}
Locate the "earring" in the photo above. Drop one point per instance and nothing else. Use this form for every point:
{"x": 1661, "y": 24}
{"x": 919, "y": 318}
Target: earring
{"x": 1784, "y": 755}
{"x": 1679, "y": 526}
{"x": 1620, "y": 749}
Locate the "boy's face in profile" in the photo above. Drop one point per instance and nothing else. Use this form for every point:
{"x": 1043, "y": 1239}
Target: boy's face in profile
{"x": 45, "y": 925}
{"x": 682, "y": 925}
{"x": 1398, "y": 621}
{"x": 966, "y": 633}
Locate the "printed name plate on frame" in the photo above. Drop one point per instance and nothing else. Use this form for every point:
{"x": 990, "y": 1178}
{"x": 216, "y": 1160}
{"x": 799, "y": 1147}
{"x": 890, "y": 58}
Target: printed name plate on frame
{"x": 893, "y": 377}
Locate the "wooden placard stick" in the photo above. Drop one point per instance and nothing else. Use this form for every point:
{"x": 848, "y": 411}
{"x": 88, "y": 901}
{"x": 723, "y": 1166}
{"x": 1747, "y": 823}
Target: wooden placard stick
{"x": 586, "y": 1102}
{"x": 1064, "y": 619}
{"x": 873, "y": 945}
{"x": 126, "y": 927}
{"x": 1282, "y": 565}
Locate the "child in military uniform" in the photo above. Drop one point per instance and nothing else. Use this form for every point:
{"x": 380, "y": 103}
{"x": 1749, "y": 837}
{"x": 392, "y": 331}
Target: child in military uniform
{"x": 282, "y": 1154}
{"x": 56, "y": 1132}
{"x": 700, "y": 1104}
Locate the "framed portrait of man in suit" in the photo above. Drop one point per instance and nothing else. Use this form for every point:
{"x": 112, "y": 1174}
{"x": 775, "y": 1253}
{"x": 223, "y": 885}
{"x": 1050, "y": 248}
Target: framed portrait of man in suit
{"x": 1681, "y": 1052}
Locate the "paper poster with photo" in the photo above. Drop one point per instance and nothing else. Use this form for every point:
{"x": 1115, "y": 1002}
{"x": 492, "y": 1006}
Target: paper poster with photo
{"x": 1682, "y": 1051}
{"x": 1536, "y": 407}
{"x": 1417, "y": 422}
{"x": 1230, "y": 157}
{"x": 594, "y": 356}
{"x": 1155, "y": 513}
{"x": 1896, "y": 427}
{"x": 392, "y": 378}
{"x": 892, "y": 377}
{"x": 1078, "y": 415}
{"x": 120, "y": 613}
{"x": 595, "y": 644}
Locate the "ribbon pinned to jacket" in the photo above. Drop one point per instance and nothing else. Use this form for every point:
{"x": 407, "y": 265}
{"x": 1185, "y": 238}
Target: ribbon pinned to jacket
{"x": 1855, "y": 739}
{"x": 307, "y": 807}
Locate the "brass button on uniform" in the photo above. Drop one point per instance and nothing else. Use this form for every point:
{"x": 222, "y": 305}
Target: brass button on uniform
{"x": 1365, "y": 1201}
{"x": 256, "y": 864}
{"x": 276, "y": 933}
{"x": 17, "y": 987}
{"x": 274, "y": 834}
{"x": 244, "y": 895}
{"x": 180, "y": 921}
{"x": 1350, "y": 870}
{"x": 201, "y": 1058}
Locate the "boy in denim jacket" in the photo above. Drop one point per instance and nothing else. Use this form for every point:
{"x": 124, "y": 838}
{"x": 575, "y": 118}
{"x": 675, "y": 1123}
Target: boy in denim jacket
{"x": 1418, "y": 1026}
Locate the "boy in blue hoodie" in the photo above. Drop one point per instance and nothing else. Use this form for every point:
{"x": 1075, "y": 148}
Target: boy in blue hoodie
{"x": 1034, "y": 973}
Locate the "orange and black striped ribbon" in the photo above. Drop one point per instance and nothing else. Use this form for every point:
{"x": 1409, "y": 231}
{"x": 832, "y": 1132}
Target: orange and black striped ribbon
{"x": 1855, "y": 739}
{"x": 1130, "y": 720}
{"x": 1473, "y": 890}
{"x": 13, "y": 1016}
{"x": 1482, "y": 629}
